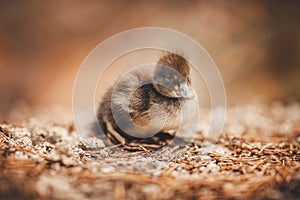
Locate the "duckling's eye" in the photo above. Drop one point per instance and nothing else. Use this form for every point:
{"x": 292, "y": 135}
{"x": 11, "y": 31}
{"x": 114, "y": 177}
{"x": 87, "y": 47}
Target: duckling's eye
{"x": 168, "y": 77}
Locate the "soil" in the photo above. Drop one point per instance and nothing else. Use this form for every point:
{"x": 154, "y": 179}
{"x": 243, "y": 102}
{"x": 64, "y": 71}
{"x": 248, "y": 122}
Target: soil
{"x": 256, "y": 157}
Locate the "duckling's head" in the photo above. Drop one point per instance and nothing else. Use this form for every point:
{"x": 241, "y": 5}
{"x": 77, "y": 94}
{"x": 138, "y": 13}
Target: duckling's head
{"x": 172, "y": 77}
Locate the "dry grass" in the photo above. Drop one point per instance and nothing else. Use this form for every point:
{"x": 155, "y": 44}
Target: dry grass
{"x": 250, "y": 161}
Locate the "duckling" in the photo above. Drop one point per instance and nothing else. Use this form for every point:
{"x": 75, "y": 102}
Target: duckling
{"x": 143, "y": 105}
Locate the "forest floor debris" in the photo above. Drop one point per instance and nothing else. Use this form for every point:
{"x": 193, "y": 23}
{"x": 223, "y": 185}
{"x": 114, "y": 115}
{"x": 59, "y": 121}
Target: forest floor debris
{"x": 257, "y": 157}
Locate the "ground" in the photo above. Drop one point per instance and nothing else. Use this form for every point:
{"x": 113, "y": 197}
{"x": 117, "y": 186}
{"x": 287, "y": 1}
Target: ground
{"x": 256, "y": 157}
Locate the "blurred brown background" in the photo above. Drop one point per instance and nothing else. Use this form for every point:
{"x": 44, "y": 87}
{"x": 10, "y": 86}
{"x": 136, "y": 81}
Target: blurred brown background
{"x": 255, "y": 44}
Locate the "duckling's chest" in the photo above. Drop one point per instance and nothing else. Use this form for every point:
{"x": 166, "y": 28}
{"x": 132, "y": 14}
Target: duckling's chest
{"x": 158, "y": 110}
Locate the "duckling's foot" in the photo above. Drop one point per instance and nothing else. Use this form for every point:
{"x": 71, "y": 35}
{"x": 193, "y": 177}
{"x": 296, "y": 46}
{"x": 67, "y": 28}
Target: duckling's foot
{"x": 114, "y": 133}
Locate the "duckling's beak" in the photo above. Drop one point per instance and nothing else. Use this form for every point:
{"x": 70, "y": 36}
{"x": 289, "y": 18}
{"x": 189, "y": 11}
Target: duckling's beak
{"x": 186, "y": 91}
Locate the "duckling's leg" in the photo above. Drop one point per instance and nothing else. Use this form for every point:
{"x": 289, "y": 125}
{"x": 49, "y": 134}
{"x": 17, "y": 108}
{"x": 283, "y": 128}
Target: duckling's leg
{"x": 114, "y": 133}
{"x": 176, "y": 140}
{"x": 173, "y": 132}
